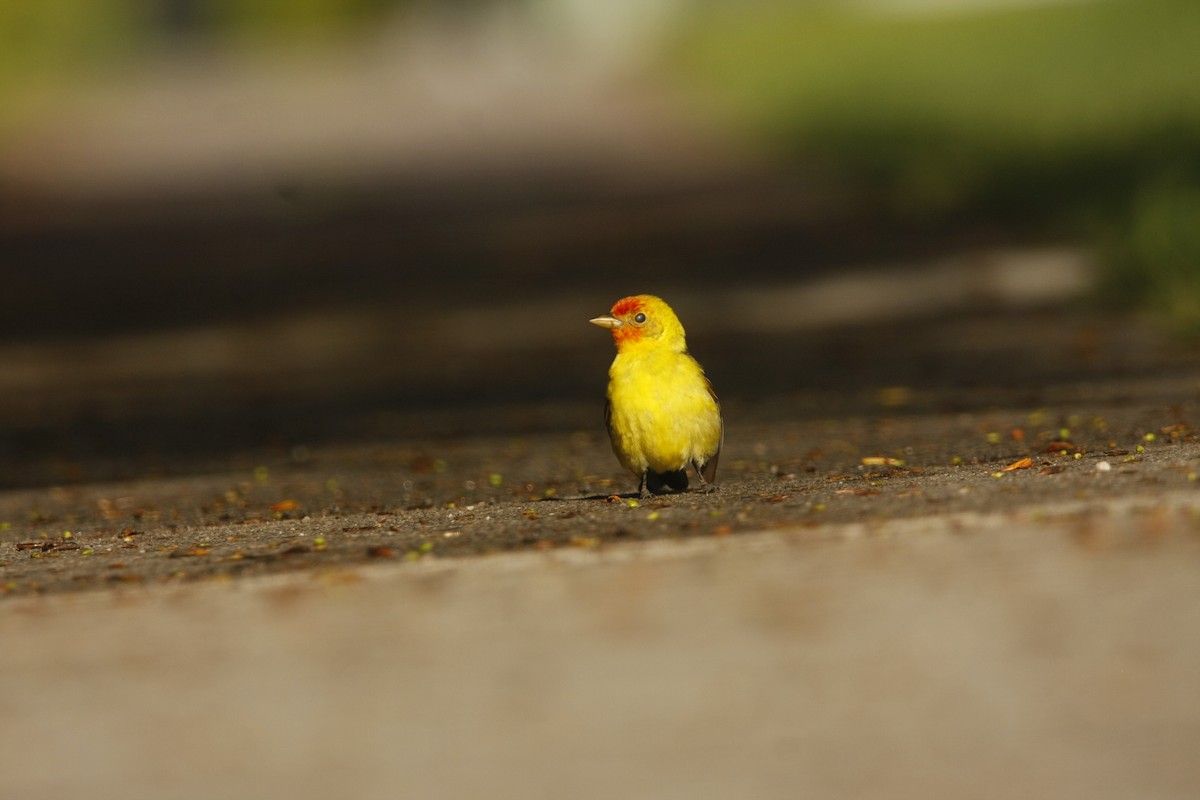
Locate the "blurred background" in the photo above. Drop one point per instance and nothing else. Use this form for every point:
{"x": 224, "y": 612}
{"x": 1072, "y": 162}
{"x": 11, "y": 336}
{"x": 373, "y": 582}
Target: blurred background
{"x": 235, "y": 226}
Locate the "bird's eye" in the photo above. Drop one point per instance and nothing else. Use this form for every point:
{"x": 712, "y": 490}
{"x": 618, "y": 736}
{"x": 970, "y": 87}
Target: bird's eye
{"x": 639, "y": 318}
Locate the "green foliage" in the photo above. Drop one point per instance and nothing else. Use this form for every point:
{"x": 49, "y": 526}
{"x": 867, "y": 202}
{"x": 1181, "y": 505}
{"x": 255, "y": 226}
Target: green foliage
{"x": 1054, "y": 118}
{"x": 49, "y": 38}
{"x": 1154, "y": 258}
{"x": 289, "y": 20}
{"x": 942, "y": 106}
{"x": 46, "y": 45}
{"x": 52, "y": 35}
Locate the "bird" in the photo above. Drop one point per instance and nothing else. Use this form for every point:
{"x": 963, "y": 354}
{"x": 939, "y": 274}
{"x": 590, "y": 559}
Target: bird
{"x": 661, "y": 411}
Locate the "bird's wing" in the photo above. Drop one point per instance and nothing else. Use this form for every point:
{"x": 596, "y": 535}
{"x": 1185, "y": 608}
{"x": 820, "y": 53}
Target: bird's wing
{"x": 710, "y": 466}
{"x": 712, "y": 392}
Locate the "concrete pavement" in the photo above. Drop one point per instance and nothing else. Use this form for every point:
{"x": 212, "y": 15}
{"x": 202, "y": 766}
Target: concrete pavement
{"x": 965, "y": 656}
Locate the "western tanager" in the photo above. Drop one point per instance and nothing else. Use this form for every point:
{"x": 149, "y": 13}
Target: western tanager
{"x": 662, "y": 413}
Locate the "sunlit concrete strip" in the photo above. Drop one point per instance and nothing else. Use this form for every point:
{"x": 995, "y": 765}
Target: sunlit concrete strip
{"x": 1013, "y": 279}
{"x": 1009, "y": 279}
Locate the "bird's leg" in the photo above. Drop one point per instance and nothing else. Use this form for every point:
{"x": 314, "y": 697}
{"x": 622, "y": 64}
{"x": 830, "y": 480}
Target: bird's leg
{"x": 704, "y": 486}
{"x": 643, "y": 489}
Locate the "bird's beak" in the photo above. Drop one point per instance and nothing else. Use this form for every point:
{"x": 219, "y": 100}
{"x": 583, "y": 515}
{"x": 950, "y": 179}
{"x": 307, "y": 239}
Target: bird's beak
{"x": 607, "y": 322}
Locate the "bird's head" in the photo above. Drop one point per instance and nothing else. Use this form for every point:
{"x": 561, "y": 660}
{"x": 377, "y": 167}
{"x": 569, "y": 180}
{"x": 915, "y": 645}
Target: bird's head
{"x": 643, "y": 320}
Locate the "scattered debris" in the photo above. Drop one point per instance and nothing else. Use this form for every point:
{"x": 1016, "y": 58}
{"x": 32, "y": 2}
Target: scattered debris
{"x": 1023, "y": 463}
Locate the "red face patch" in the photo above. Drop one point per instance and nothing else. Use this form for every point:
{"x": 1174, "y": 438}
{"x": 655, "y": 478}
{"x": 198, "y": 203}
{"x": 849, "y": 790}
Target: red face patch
{"x": 624, "y": 310}
{"x": 627, "y": 307}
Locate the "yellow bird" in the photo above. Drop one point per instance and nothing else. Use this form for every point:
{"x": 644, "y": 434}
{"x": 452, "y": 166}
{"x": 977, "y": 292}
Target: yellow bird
{"x": 662, "y": 413}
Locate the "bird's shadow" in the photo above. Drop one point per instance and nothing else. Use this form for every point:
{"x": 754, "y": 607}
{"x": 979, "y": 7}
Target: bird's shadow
{"x": 621, "y": 496}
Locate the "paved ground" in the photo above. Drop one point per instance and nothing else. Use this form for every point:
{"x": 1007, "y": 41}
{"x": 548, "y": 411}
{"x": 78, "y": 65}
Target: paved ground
{"x": 330, "y": 507}
{"x": 1044, "y": 651}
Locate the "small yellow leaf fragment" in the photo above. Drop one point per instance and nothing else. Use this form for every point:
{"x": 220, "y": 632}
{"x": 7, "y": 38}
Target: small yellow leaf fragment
{"x": 882, "y": 461}
{"x": 633, "y": 503}
{"x": 653, "y": 515}
{"x": 1150, "y": 437}
{"x": 993, "y": 437}
{"x": 495, "y": 479}
{"x": 1024, "y": 463}
{"x": 261, "y": 474}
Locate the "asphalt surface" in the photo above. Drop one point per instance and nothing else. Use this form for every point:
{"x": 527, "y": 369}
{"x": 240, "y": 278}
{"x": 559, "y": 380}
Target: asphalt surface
{"x": 335, "y": 507}
{"x": 207, "y": 473}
